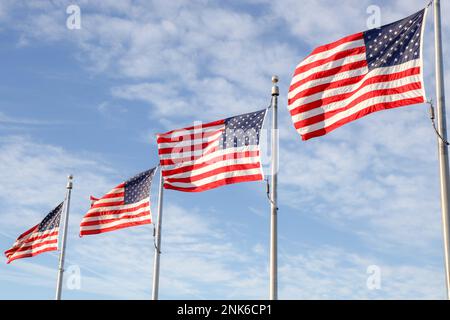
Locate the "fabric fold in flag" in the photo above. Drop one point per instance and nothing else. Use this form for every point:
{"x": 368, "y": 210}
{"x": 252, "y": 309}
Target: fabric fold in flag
{"x": 126, "y": 205}
{"x": 211, "y": 155}
{"x": 41, "y": 238}
{"x": 357, "y": 75}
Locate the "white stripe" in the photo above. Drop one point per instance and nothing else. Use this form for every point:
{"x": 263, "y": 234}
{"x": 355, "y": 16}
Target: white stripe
{"x": 356, "y": 93}
{"x": 116, "y": 216}
{"x": 119, "y": 207}
{"x": 220, "y": 153}
{"x": 360, "y": 106}
{"x": 374, "y": 72}
{"x": 115, "y": 199}
{"x": 333, "y": 78}
{"x": 114, "y": 223}
{"x": 116, "y": 190}
{"x": 344, "y": 89}
{"x": 189, "y": 142}
{"x": 326, "y": 54}
{"x": 107, "y": 200}
{"x": 329, "y": 65}
{"x": 217, "y": 177}
{"x": 213, "y": 166}
{"x": 342, "y": 103}
{"x": 36, "y": 234}
{"x": 181, "y": 154}
{"x": 35, "y": 242}
{"x": 197, "y": 130}
{"x": 34, "y": 250}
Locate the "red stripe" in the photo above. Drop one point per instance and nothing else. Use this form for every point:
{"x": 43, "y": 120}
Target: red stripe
{"x": 117, "y": 211}
{"x": 172, "y": 161}
{"x": 20, "y": 243}
{"x": 362, "y": 113}
{"x": 107, "y": 204}
{"x": 329, "y": 73}
{"x": 332, "y": 45}
{"x": 337, "y": 56}
{"x": 188, "y": 148}
{"x": 376, "y": 93}
{"x": 200, "y": 135}
{"x": 23, "y": 235}
{"x": 376, "y": 79}
{"x": 326, "y": 86}
{"x": 111, "y": 195}
{"x": 229, "y": 156}
{"x": 35, "y": 238}
{"x": 215, "y": 184}
{"x": 30, "y": 247}
{"x": 28, "y": 255}
{"x": 126, "y": 217}
{"x": 231, "y": 168}
{"x": 120, "y": 226}
{"x": 202, "y": 126}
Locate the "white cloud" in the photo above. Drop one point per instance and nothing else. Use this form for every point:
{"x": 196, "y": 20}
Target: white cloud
{"x": 375, "y": 179}
{"x": 331, "y": 273}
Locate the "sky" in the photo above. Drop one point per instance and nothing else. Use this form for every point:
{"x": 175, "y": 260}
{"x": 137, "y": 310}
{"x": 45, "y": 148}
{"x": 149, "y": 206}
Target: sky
{"x": 89, "y": 102}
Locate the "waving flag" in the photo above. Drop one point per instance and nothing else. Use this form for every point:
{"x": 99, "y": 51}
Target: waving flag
{"x": 366, "y": 72}
{"x": 211, "y": 155}
{"x": 41, "y": 238}
{"x": 128, "y": 204}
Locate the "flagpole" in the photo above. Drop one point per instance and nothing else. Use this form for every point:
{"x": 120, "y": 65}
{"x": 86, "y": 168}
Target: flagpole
{"x": 273, "y": 195}
{"x": 64, "y": 237}
{"x": 442, "y": 147}
{"x": 155, "y": 289}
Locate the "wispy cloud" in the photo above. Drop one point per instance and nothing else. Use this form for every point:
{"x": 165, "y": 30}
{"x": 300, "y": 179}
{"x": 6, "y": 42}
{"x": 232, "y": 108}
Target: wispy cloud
{"x": 374, "y": 180}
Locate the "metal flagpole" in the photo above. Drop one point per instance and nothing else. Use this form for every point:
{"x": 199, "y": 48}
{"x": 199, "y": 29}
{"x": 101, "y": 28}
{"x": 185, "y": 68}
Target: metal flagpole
{"x": 442, "y": 147}
{"x": 273, "y": 194}
{"x": 158, "y": 239}
{"x": 64, "y": 237}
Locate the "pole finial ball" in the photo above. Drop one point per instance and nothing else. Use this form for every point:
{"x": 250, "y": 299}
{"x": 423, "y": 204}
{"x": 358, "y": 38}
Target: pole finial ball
{"x": 274, "y": 79}
{"x": 70, "y": 176}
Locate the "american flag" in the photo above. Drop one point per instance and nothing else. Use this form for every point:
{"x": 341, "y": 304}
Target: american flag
{"x": 362, "y": 73}
{"x": 41, "y": 238}
{"x": 211, "y": 155}
{"x": 128, "y": 204}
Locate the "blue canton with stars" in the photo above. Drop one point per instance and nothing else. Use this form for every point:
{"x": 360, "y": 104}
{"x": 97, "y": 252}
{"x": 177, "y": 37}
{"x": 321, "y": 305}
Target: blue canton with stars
{"x": 138, "y": 187}
{"x": 242, "y": 130}
{"x": 394, "y": 43}
{"x": 51, "y": 221}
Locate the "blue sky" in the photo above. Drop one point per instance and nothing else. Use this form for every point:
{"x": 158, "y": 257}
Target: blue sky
{"x": 90, "y": 101}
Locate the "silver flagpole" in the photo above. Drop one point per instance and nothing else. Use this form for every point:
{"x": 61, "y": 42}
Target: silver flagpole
{"x": 64, "y": 237}
{"x": 155, "y": 290}
{"x": 442, "y": 147}
{"x": 273, "y": 194}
